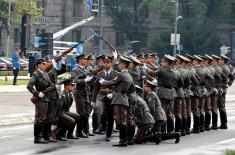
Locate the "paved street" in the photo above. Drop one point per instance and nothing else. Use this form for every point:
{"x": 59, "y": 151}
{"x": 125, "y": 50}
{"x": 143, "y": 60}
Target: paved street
{"x": 18, "y": 140}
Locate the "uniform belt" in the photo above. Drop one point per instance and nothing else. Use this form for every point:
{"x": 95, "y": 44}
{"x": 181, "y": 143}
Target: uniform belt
{"x": 105, "y": 90}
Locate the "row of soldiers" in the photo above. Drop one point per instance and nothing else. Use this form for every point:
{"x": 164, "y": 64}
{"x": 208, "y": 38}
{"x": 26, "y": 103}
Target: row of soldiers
{"x": 132, "y": 91}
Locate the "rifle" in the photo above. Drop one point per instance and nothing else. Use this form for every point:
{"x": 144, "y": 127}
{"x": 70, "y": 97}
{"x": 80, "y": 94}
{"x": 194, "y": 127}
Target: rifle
{"x": 49, "y": 64}
{"x": 111, "y": 48}
{"x": 35, "y": 99}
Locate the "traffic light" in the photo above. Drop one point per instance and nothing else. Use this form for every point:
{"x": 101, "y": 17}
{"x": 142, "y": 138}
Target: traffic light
{"x": 46, "y": 43}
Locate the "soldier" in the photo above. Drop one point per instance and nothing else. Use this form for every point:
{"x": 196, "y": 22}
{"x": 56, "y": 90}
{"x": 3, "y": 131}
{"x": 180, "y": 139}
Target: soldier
{"x": 41, "y": 81}
{"x": 123, "y": 83}
{"x": 167, "y": 80}
{"x": 102, "y": 104}
{"x": 180, "y": 103}
{"x": 53, "y": 96}
{"x": 143, "y": 119}
{"x": 210, "y": 69}
{"x": 215, "y": 95}
{"x": 134, "y": 69}
{"x": 81, "y": 94}
{"x": 67, "y": 119}
{"x": 227, "y": 80}
{"x": 191, "y": 107}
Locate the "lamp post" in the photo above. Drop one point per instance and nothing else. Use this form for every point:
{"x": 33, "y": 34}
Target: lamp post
{"x": 177, "y": 17}
{"x": 9, "y": 27}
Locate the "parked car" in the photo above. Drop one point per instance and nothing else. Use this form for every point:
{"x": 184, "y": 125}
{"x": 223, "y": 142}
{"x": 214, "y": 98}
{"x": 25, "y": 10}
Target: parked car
{"x": 23, "y": 64}
{"x": 8, "y": 63}
{"x": 2, "y": 66}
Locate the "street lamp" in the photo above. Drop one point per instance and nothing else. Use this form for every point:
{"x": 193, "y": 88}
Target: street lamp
{"x": 177, "y": 17}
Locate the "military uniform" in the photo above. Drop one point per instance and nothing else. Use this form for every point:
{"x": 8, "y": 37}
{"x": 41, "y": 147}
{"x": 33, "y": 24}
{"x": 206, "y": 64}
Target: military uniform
{"x": 81, "y": 95}
{"x": 40, "y": 80}
{"x": 143, "y": 118}
{"x": 67, "y": 119}
{"x": 123, "y": 83}
{"x": 227, "y": 80}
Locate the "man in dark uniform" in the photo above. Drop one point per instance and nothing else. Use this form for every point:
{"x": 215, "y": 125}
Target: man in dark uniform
{"x": 123, "y": 83}
{"x": 102, "y": 103}
{"x": 51, "y": 126}
{"x": 41, "y": 81}
{"x": 81, "y": 94}
{"x": 227, "y": 80}
{"x": 67, "y": 119}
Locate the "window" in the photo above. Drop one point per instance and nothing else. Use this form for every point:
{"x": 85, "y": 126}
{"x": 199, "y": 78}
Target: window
{"x": 76, "y": 35}
{"x": 120, "y": 39}
{"x": 77, "y": 8}
{"x": 37, "y": 32}
{"x": 16, "y": 35}
{"x": 0, "y": 37}
{"x": 43, "y": 31}
{"x": 144, "y": 12}
{"x": 96, "y": 40}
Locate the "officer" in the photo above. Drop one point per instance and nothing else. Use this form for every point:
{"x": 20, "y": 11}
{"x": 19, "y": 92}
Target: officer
{"x": 227, "y": 80}
{"x": 102, "y": 103}
{"x": 167, "y": 80}
{"x": 67, "y": 119}
{"x": 123, "y": 83}
{"x": 215, "y": 95}
{"x": 191, "y": 108}
{"x": 53, "y": 96}
{"x": 81, "y": 94}
{"x": 180, "y": 104}
{"x": 41, "y": 81}
{"x": 134, "y": 70}
{"x": 143, "y": 119}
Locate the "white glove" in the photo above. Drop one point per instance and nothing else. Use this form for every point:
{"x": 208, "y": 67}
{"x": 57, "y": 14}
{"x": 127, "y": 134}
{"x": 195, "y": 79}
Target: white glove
{"x": 41, "y": 95}
{"x": 57, "y": 87}
{"x": 63, "y": 61}
{"x": 101, "y": 81}
{"x": 143, "y": 77}
{"x": 115, "y": 54}
{"x": 92, "y": 104}
{"x": 88, "y": 78}
{"x": 145, "y": 67}
{"x": 14, "y": 68}
{"x": 54, "y": 64}
{"x": 110, "y": 96}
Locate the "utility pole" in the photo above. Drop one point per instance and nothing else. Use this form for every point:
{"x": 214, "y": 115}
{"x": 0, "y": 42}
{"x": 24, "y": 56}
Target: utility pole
{"x": 9, "y": 27}
{"x": 176, "y": 23}
{"x": 101, "y": 24}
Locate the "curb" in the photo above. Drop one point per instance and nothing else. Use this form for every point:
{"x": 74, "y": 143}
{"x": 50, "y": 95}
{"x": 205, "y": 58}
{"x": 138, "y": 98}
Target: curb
{"x": 8, "y": 121}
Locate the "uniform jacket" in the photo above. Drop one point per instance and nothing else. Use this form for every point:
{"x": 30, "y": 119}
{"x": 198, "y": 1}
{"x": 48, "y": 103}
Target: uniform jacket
{"x": 123, "y": 85}
{"x": 65, "y": 102}
{"x": 155, "y": 106}
{"x": 41, "y": 81}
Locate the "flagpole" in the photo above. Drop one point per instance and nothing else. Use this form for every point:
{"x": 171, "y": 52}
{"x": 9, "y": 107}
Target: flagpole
{"x": 101, "y": 24}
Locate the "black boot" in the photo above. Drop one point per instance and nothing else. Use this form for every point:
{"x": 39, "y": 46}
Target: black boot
{"x": 172, "y": 135}
{"x": 178, "y": 124}
{"x": 207, "y": 121}
{"x": 223, "y": 119}
{"x": 214, "y": 121}
{"x": 170, "y": 125}
{"x": 184, "y": 126}
{"x": 70, "y": 133}
{"x": 202, "y": 122}
{"x": 158, "y": 137}
{"x": 130, "y": 134}
{"x": 188, "y": 126}
{"x": 38, "y": 131}
{"x": 122, "y": 137}
{"x": 196, "y": 127}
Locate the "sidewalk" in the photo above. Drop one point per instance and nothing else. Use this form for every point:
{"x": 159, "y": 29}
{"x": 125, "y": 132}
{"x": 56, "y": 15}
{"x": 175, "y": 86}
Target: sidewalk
{"x": 11, "y": 77}
{"x": 12, "y": 88}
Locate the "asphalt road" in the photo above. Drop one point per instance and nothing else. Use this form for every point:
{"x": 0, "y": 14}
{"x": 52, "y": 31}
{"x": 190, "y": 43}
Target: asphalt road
{"x": 18, "y": 140}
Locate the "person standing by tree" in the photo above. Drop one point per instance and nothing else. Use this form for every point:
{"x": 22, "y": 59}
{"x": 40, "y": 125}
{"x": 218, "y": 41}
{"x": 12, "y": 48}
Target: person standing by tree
{"x": 16, "y": 64}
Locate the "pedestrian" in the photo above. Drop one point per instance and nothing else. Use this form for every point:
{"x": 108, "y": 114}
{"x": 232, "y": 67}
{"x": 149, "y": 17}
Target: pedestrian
{"x": 16, "y": 64}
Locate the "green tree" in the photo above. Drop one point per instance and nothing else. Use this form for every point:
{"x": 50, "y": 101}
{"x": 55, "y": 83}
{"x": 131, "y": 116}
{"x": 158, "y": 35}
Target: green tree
{"x": 199, "y": 23}
{"x": 18, "y": 8}
{"x": 128, "y": 17}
